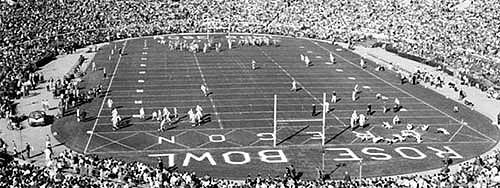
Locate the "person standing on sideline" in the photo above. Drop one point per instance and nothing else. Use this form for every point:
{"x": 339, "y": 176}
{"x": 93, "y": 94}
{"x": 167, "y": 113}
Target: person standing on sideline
{"x": 78, "y": 114}
{"x": 93, "y": 66}
{"x": 27, "y": 149}
{"x": 313, "y": 110}
{"x": 254, "y": 66}
{"x": 327, "y": 107}
{"x": 104, "y": 72}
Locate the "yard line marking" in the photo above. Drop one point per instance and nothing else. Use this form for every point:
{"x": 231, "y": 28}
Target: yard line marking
{"x": 104, "y": 99}
{"x": 115, "y": 142}
{"x": 223, "y": 67}
{"x": 137, "y": 102}
{"x": 142, "y": 72}
{"x": 229, "y": 73}
{"x": 139, "y": 90}
{"x": 162, "y": 83}
{"x": 268, "y": 111}
{"x": 143, "y": 65}
{"x": 303, "y": 120}
{"x": 405, "y": 92}
{"x": 248, "y": 99}
{"x": 264, "y": 104}
{"x": 246, "y": 129}
{"x": 140, "y": 81}
{"x": 456, "y": 132}
{"x": 209, "y": 96}
{"x": 291, "y": 146}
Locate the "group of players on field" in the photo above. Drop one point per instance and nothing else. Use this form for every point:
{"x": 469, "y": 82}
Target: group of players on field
{"x": 356, "y": 120}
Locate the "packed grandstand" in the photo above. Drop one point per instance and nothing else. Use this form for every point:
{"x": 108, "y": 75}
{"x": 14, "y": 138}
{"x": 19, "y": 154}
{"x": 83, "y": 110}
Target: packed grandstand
{"x": 461, "y": 36}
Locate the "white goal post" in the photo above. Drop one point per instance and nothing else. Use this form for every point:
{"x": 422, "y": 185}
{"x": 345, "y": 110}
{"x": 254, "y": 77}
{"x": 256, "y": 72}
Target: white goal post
{"x": 276, "y": 121}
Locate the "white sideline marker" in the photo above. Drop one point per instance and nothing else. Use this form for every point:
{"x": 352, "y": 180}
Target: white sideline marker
{"x": 139, "y": 90}
{"x": 144, "y": 53}
{"x": 339, "y": 70}
{"x": 403, "y": 110}
{"x": 145, "y": 48}
{"x": 329, "y": 63}
{"x": 144, "y": 59}
{"x": 140, "y": 81}
{"x": 143, "y": 65}
{"x": 351, "y": 78}
{"x": 136, "y": 116}
{"x": 338, "y": 49}
{"x": 318, "y": 57}
{"x": 142, "y": 72}
{"x": 367, "y": 87}
{"x": 309, "y": 52}
{"x": 137, "y": 102}
{"x": 301, "y": 47}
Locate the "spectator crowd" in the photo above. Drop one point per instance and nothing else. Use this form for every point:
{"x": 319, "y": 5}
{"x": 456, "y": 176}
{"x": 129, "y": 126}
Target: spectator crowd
{"x": 459, "y": 35}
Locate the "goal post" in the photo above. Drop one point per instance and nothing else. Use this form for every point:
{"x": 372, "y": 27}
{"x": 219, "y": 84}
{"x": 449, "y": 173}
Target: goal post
{"x": 276, "y": 121}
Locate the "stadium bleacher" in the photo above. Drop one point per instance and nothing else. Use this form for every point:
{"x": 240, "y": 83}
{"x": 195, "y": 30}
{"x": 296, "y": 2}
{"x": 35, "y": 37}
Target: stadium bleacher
{"x": 466, "y": 41}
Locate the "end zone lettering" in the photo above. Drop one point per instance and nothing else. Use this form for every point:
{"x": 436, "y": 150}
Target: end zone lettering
{"x": 266, "y": 156}
{"x": 336, "y": 154}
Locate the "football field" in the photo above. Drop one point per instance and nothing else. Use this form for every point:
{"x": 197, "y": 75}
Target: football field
{"x": 236, "y": 136}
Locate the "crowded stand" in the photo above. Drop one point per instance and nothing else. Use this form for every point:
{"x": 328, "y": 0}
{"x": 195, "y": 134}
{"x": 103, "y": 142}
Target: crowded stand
{"x": 464, "y": 39}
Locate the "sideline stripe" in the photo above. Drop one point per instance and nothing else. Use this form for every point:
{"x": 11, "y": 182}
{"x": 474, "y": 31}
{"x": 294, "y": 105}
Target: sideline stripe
{"x": 104, "y": 99}
{"x": 209, "y": 96}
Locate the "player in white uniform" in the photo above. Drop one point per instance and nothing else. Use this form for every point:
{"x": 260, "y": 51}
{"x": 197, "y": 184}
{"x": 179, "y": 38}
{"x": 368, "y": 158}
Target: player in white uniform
{"x": 396, "y": 120}
{"x": 254, "y": 65}
{"x": 307, "y": 61}
{"x": 110, "y": 103}
{"x": 141, "y": 113}
{"x": 354, "y": 95}
{"x": 362, "y": 63}
{"x": 204, "y": 90}
{"x": 294, "y": 86}
{"x": 362, "y": 120}
{"x": 162, "y": 125}
{"x": 332, "y": 59}
{"x": 334, "y": 97}
{"x": 191, "y": 116}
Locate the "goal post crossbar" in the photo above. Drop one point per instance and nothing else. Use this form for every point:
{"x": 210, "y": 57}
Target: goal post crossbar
{"x": 322, "y": 119}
